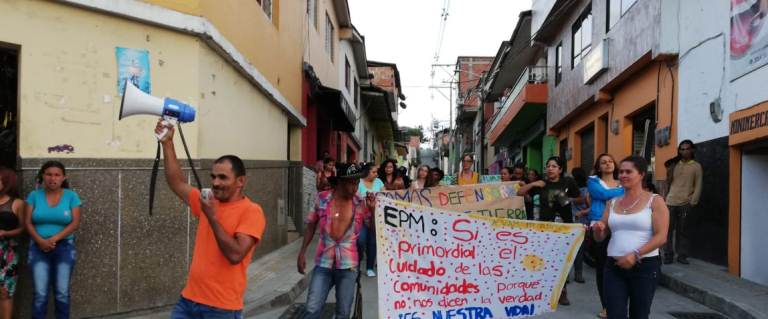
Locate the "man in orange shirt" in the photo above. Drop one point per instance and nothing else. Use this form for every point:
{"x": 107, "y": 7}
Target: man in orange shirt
{"x": 230, "y": 227}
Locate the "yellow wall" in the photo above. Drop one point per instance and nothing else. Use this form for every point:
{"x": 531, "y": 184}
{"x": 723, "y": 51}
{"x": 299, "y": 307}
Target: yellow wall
{"x": 186, "y": 6}
{"x": 274, "y": 47}
{"x": 68, "y": 91}
{"x": 628, "y": 99}
{"x": 234, "y": 117}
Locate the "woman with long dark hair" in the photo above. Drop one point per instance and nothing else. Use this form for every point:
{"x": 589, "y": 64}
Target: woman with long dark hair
{"x": 603, "y": 186}
{"x": 11, "y": 209}
{"x": 389, "y": 175}
{"x": 638, "y": 222}
{"x": 52, "y": 216}
{"x": 557, "y": 194}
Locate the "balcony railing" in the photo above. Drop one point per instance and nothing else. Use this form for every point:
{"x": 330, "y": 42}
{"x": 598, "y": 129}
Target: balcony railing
{"x": 533, "y": 74}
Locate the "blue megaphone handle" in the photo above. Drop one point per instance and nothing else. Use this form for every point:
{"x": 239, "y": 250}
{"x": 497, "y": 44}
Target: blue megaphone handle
{"x": 185, "y": 113}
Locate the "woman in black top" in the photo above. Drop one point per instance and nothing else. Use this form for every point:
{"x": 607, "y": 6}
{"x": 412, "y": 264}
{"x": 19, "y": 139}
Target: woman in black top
{"x": 557, "y": 193}
{"x": 10, "y": 228}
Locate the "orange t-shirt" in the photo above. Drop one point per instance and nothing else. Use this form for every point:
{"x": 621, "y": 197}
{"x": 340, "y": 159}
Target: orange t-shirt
{"x": 212, "y": 280}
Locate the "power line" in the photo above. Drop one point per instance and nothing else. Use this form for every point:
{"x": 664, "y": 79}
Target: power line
{"x": 441, "y": 33}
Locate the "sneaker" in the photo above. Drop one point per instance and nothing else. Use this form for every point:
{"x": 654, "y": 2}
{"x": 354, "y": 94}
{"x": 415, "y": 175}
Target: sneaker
{"x": 564, "y": 299}
{"x": 603, "y": 314}
{"x": 683, "y": 260}
{"x": 370, "y": 273}
{"x": 579, "y": 278}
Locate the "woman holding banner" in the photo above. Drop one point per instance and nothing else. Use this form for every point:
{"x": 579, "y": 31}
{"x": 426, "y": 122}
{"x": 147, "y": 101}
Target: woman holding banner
{"x": 557, "y": 193}
{"x": 603, "y": 186}
{"x": 638, "y": 221}
{"x": 367, "y": 240}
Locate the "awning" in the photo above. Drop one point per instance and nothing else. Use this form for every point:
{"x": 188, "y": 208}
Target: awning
{"x": 376, "y": 102}
{"x": 331, "y": 100}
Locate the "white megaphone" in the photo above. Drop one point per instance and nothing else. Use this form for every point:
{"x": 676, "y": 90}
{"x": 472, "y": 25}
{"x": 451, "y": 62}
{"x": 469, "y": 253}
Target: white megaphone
{"x": 136, "y": 102}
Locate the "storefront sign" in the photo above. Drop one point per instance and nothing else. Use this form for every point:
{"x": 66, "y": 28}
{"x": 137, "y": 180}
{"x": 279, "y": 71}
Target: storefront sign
{"x": 749, "y": 124}
{"x": 435, "y": 263}
{"x": 596, "y": 62}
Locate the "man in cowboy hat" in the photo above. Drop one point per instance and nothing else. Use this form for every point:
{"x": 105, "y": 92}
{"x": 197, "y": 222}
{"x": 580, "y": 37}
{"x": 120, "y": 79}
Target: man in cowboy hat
{"x": 340, "y": 215}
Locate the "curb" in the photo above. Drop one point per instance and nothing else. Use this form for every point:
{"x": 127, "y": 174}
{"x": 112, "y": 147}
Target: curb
{"x": 711, "y": 286}
{"x": 281, "y": 300}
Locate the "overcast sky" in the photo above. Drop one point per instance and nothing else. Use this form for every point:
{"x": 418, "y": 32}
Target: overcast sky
{"x": 406, "y": 32}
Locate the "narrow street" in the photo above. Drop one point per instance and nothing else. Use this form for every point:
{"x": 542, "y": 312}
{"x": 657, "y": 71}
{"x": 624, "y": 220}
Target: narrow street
{"x": 583, "y": 297}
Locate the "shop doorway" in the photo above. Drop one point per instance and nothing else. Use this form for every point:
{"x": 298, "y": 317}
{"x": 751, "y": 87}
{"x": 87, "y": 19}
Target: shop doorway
{"x": 754, "y": 181}
{"x": 587, "y": 149}
{"x": 9, "y": 112}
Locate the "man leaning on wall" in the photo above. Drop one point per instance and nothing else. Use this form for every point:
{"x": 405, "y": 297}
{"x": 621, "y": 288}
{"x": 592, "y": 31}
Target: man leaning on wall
{"x": 684, "y": 177}
{"x": 230, "y": 227}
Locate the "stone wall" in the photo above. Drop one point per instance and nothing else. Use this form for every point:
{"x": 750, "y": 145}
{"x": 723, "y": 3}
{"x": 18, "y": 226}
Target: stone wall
{"x": 128, "y": 260}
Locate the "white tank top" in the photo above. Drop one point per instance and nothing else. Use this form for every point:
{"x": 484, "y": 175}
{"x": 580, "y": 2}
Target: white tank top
{"x": 630, "y": 231}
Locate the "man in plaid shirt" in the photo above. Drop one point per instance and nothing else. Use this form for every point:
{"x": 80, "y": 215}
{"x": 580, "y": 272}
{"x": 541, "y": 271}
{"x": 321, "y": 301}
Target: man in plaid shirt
{"x": 340, "y": 214}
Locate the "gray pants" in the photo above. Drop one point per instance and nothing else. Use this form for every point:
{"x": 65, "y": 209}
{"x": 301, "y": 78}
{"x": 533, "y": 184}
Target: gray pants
{"x": 678, "y": 236}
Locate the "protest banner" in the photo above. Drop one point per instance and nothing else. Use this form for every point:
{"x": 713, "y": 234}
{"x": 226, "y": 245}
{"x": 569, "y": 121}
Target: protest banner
{"x": 493, "y": 199}
{"x": 438, "y": 264}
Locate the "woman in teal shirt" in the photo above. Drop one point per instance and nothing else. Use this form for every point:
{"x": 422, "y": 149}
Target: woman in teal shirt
{"x": 52, "y": 216}
{"x": 367, "y": 240}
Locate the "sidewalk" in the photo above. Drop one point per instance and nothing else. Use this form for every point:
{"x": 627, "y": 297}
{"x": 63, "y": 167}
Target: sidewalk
{"x": 273, "y": 283}
{"x": 714, "y": 287}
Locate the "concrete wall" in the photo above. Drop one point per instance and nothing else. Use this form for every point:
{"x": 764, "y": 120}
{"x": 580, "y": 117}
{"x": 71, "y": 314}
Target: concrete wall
{"x": 634, "y": 36}
{"x": 706, "y": 75}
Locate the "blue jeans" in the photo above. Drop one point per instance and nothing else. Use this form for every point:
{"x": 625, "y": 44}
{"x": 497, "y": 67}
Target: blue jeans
{"x": 366, "y": 242}
{"x": 636, "y": 286}
{"x": 320, "y": 285}
{"x": 54, "y": 267}
{"x": 188, "y": 309}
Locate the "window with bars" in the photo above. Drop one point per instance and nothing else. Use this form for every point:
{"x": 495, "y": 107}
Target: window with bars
{"x": 582, "y": 37}
{"x": 329, "y": 35}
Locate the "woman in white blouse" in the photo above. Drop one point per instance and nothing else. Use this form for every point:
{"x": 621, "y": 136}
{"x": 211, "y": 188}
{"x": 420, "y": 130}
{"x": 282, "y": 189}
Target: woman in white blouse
{"x": 638, "y": 222}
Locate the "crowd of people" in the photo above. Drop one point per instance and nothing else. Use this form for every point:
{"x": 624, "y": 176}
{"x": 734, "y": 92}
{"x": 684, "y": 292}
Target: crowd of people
{"x": 628, "y": 224}
{"x": 631, "y": 230}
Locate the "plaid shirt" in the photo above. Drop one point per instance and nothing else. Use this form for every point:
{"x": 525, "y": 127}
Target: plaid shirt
{"x": 342, "y": 254}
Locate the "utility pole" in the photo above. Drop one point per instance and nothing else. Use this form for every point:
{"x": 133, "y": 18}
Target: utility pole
{"x": 452, "y": 81}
